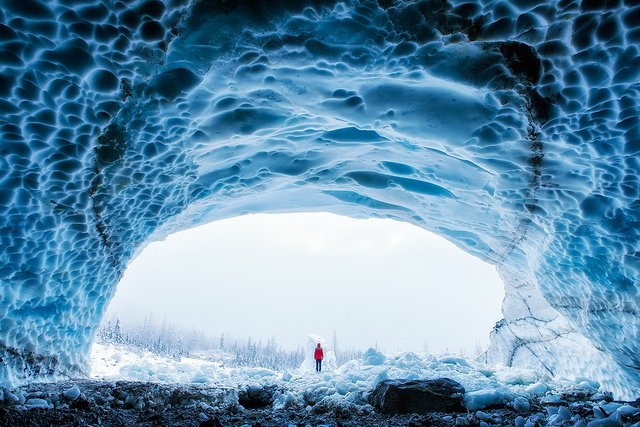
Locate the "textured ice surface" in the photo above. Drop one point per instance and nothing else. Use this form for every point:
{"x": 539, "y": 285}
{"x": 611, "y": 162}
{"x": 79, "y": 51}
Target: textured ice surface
{"x": 510, "y": 128}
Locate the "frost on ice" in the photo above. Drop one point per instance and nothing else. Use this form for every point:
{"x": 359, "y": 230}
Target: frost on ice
{"x": 510, "y": 128}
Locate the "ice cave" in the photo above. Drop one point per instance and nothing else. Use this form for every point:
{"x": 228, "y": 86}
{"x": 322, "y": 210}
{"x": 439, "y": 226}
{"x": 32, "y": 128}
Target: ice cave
{"x": 509, "y": 127}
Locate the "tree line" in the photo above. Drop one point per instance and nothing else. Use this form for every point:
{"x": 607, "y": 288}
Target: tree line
{"x": 170, "y": 341}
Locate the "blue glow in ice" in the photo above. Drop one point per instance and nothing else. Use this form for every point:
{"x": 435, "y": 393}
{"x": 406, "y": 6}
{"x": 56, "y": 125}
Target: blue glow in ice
{"x": 511, "y": 128}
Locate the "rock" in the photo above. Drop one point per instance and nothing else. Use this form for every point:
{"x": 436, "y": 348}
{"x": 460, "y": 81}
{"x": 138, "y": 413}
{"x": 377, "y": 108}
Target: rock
{"x": 256, "y": 397}
{"x": 213, "y": 422}
{"x": 80, "y": 403}
{"x": 418, "y": 396}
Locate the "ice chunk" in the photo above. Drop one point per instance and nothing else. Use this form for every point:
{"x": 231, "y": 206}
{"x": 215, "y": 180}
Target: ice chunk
{"x": 521, "y": 404}
{"x": 537, "y": 389}
{"x": 37, "y": 403}
{"x": 72, "y": 393}
{"x": 481, "y": 399}
{"x": 605, "y": 422}
{"x": 373, "y": 357}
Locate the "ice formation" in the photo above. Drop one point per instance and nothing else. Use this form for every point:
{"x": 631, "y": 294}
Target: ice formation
{"x": 308, "y": 364}
{"x": 485, "y": 386}
{"x": 509, "y": 127}
{"x": 131, "y": 386}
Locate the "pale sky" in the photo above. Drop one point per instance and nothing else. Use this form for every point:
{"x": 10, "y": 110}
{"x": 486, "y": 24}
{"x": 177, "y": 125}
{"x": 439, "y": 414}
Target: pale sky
{"x": 375, "y": 282}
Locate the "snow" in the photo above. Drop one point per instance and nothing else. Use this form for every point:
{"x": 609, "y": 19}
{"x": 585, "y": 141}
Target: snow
{"x": 511, "y": 130}
{"x": 111, "y": 362}
{"x": 351, "y": 383}
{"x": 328, "y": 363}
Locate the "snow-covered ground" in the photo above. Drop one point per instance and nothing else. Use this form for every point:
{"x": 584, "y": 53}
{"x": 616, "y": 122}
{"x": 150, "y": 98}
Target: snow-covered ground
{"x": 132, "y": 387}
{"x": 485, "y": 386}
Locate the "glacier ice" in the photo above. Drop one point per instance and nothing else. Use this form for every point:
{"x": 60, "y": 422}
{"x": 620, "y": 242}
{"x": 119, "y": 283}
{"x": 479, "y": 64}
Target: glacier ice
{"x": 510, "y": 128}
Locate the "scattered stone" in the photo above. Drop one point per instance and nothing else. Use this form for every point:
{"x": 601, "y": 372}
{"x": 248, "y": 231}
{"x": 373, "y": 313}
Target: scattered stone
{"x": 220, "y": 405}
{"x": 418, "y": 396}
{"x": 80, "y": 403}
{"x": 213, "y": 422}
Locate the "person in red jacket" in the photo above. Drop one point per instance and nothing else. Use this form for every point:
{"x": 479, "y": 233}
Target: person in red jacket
{"x": 318, "y": 355}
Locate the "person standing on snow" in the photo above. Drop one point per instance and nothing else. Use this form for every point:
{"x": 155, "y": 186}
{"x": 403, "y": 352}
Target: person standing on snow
{"x": 318, "y": 355}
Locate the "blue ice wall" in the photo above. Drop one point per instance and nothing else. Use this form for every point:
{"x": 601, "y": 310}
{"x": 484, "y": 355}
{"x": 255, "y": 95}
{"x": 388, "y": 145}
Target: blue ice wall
{"x": 511, "y": 128}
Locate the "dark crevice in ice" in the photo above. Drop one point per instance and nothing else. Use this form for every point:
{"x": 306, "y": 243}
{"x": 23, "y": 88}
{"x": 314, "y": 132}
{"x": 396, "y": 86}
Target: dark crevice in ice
{"x": 520, "y": 343}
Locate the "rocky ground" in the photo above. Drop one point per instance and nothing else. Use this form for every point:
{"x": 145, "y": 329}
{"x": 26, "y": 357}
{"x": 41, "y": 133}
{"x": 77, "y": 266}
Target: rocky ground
{"x": 100, "y": 403}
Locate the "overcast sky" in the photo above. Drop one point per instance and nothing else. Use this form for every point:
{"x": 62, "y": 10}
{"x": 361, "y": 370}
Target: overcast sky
{"x": 372, "y": 281}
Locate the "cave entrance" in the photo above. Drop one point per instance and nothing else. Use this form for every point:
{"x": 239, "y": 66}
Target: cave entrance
{"x": 358, "y": 283}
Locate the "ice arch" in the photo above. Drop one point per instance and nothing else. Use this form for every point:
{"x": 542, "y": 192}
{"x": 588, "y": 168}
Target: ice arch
{"x": 511, "y": 128}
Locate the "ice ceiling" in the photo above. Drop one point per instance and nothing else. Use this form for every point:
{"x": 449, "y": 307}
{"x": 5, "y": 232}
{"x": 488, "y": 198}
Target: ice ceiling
{"x": 510, "y": 128}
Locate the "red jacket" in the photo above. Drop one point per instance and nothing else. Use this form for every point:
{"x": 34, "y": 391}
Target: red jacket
{"x": 319, "y": 354}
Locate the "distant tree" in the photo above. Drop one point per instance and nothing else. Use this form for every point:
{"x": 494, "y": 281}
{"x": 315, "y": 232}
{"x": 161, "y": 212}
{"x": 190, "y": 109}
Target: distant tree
{"x": 169, "y": 341}
{"x": 117, "y": 332}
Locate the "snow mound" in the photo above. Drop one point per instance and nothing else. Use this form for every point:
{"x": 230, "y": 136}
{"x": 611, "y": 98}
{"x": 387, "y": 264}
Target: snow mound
{"x": 373, "y": 357}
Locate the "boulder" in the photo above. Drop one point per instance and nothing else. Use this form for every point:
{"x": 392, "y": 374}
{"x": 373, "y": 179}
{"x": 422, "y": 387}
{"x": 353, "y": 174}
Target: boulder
{"x": 256, "y": 397}
{"x": 213, "y": 422}
{"x": 418, "y": 396}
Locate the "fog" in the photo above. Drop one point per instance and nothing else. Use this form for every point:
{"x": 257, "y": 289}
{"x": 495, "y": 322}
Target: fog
{"x": 374, "y": 282}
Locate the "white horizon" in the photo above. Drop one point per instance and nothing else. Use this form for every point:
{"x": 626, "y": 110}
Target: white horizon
{"x": 376, "y": 283}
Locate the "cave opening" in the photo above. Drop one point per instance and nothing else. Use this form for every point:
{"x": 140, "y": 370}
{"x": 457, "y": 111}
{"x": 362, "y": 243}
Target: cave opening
{"x": 275, "y": 278}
